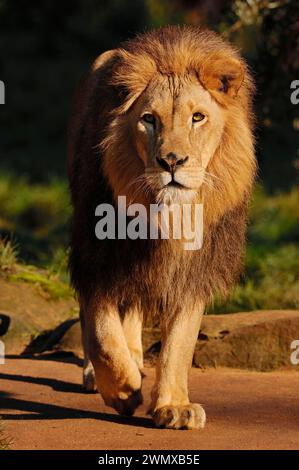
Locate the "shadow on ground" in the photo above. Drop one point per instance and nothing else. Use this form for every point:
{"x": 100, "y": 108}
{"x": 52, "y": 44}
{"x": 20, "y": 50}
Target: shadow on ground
{"x": 57, "y": 356}
{"x": 44, "y": 411}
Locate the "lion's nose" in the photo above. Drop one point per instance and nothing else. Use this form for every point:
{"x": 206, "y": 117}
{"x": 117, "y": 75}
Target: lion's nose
{"x": 171, "y": 162}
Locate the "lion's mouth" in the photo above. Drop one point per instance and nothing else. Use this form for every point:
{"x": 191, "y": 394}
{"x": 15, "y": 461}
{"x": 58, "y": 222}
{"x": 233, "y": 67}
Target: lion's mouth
{"x": 175, "y": 184}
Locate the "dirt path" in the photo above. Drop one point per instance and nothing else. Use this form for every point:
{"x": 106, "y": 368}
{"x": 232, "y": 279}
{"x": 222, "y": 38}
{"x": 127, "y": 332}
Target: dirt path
{"x": 43, "y": 408}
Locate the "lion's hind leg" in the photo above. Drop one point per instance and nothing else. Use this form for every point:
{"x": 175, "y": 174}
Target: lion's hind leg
{"x": 89, "y": 380}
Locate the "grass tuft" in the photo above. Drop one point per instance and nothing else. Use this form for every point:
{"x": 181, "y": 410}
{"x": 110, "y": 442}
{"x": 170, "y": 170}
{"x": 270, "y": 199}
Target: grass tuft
{"x": 8, "y": 254}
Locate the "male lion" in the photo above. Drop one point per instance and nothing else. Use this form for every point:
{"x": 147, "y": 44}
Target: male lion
{"x": 166, "y": 117}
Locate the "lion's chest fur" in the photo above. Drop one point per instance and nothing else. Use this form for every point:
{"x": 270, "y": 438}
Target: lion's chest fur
{"x": 159, "y": 275}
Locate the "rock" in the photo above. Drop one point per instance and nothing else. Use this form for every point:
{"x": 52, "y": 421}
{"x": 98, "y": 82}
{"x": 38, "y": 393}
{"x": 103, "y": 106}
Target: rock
{"x": 26, "y": 314}
{"x": 71, "y": 341}
{"x": 51, "y": 339}
{"x": 254, "y": 340}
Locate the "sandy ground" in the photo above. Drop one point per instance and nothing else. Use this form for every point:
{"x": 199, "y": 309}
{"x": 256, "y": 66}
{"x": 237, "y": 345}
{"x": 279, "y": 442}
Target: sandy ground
{"x": 43, "y": 408}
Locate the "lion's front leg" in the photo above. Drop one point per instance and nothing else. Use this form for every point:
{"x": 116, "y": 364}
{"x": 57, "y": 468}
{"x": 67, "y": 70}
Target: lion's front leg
{"x": 117, "y": 375}
{"x": 170, "y": 406}
{"x": 132, "y": 327}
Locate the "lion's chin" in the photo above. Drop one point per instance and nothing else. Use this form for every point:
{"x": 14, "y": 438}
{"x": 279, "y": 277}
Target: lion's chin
{"x": 176, "y": 195}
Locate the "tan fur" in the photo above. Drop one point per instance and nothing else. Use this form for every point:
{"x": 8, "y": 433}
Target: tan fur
{"x": 171, "y": 73}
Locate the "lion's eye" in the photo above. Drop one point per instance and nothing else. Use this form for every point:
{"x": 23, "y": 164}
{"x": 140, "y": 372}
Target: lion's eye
{"x": 149, "y": 118}
{"x": 197, "y": 117}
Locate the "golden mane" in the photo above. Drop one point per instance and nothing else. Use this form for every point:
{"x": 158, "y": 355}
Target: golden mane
{"x": 179, "y": 51}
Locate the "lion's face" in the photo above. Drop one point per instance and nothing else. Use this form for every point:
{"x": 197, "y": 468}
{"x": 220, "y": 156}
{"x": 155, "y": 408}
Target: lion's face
{"x": 177, "y": 127}
{"x": 180, "y": 128}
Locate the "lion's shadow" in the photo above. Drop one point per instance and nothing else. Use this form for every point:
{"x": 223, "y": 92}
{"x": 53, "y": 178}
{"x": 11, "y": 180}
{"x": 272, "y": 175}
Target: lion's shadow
{"x": 33, "y": 410}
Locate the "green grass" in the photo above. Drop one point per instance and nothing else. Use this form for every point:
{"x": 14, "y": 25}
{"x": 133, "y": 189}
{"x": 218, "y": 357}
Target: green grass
{"x": 53, "y": 281}
{"x": 37, "y": 215}
{"x": 48, "y": 282}
{"x": 274, "y": 219}
{"x": 8, "y": 254}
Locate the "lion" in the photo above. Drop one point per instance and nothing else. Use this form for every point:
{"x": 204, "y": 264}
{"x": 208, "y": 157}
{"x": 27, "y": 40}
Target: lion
{"x": 166, "y": 117}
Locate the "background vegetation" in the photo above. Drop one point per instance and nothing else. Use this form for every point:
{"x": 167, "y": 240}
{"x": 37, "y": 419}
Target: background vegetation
{"x": 44, "y": 49}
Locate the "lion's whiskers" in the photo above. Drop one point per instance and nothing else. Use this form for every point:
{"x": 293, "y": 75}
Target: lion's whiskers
{"x": 210, "y": 183}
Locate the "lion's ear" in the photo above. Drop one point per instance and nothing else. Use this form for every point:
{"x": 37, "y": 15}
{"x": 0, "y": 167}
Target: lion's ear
{"x": 223, "y": 75}
{"x": 101, "y": 77}
{"x": 125, "y": 73}
{"x": 132, "y": 76}
{"x": 104, "y": 60}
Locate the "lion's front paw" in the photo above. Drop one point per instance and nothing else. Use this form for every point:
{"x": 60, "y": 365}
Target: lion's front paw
{"x": 124, "y": 394}
{"x": 126, "y": 404}
{"x": 191, "y": 416}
